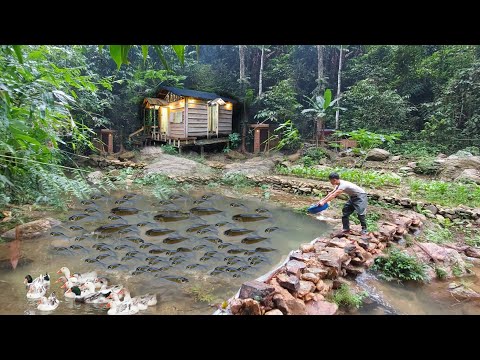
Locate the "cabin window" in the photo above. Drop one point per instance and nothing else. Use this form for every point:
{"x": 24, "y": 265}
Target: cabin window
{"x": 177, "y": 117}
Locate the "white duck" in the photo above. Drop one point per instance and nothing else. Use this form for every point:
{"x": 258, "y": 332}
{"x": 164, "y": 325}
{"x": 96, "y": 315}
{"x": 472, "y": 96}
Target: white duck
{"x": 40, "y": 280}
{"x": 93, "y": 297}
{"x": 36, "y": 291}
{"x": 121, "y": 308}
{"x": 77, "y": 277}
{"x": 141, "y": 301}
{"x": 49, "y": 304}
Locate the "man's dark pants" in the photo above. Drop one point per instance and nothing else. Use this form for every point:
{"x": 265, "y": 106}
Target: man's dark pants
{"x": 358, "y": 204}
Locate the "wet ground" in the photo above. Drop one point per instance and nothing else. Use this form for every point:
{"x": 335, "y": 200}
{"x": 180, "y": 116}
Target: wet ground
{"x": 192, "y": 250}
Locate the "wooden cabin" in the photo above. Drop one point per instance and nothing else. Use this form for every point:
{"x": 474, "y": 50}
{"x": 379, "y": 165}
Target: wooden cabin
{"x": 186, "y": 117}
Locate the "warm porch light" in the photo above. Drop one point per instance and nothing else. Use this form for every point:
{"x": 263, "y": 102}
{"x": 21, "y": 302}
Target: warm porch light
{"x": 228, "y": 106}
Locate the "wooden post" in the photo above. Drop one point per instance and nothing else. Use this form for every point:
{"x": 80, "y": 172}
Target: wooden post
{"x": 256, "y": 141}
{"x": 201, "y": 151}
{"x": 110, "y": 143}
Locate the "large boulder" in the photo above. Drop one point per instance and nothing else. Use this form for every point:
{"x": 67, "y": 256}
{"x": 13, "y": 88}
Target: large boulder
{"x": 469, "y": 175}
{"x": 377, "y": 155}
{"x": 254, "y": 166}
{"x": 176, "y": 166}
{"x": 128, "y": 155}
{"x": 321, "y": 308}
{"x": 32, "y": 230}
{"x": 95, "y": 177}
{"x": 452, "y": 167}
{"x": 256, "y": 290}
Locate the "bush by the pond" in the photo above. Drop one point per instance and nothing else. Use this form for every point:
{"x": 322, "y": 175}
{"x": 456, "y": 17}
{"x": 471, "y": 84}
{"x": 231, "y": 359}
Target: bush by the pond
{"x": 371, "y": 218}
{"x": 399, "y": 265}
{"x": 445, "y": 193}
{"x": 169, "y": 149}
{"x": 343, "y": 296}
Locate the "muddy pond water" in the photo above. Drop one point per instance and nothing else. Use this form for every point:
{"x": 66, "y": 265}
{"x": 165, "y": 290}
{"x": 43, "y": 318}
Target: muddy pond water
{"x": 190, "y": 249}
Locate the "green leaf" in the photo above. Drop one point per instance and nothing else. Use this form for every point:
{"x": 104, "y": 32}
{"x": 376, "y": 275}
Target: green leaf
{"x": 125, "y": 51}
{"x": 5, "y": 180}
{"x": 198, "y": 52}
{"x": 180, "y": 51}
{"x": 159, "y": 51}
{"x": 116, "y": 54}
{"x": 18, "y": 52}
{"x": 144, "y": 52}
{"x": 328, "y": 97}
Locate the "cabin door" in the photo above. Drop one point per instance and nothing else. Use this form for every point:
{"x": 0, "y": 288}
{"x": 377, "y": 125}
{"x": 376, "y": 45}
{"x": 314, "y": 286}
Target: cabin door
{"x": 213, "y": 118}
{"x": 163, "y": 119}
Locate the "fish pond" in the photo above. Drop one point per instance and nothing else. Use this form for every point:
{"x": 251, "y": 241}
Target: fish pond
{"x": 193, "y": 250}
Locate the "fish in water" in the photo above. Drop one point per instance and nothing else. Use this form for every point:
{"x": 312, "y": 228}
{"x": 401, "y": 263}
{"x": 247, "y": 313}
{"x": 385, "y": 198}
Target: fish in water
{"x": 256, "y": 259}
{"x": 78, "y": 217}
{"x": 129, "y": 196}
{"x": 127, "y": 230}
{"x": 177, "y": 279}
{"x": 170, "y": 252}
{"x": 157, "y": 250}
{"x": 261, "y": 211}
{"x": 236, "y": 251}
{"x": 199, "y": 247}
{"x": 198, "y": 201}
{"x": 122, "y": 201}
{"x": 163, "y": 202}
{"x": 91, "y": 261}
{"x": 128, "y": 258}
{"x": 244, "y": 268}
{"x": 213, "y": 239}
{"x": 146, "y": 245}
{"x": 135, "y": 239}
{"x": 207, "y": 196}
{"x": 91, "y": 210}
{"x": 153, "y": 260}
{"x": 76, "y": 228}
{"x": 264, "y": 249}
{"x": 235, "y": 204}
{"x": 104, "y": 256}
{"x": 194, "y": 266}
{"x": 80, "y": 238}
{"x": 252, "y": 239}
{"x": 171, "y": 216}
{"x": 101, "y": 247}
{"x": 204, "y": 211}
{"x": 96, "y": 196}
{"x": 249, "y": 252}
{"x": 224, "y": 245}
{"x": 111, "y": 228}
{"x": 124, "y": 247}
{"x": 271, "y": 229}
{"x": 77, "y": 247}
{"x": 223, "y": 223}
{"x": 197, "y": 227}
{"x": 174, "y": 239}
{"x": 142, "y": 268}
{"x": 117, "y": 266}
{"x": 207, "y": 230}
{"x": 158, "y": 232}
{"x": 87, "y": 202}
{"x": 120, "y": 210}
{"x": 114, "y": 217}
{"x": 144, "y": 223}
{"x": 183, "y": 249}
{"x": 249, "y": 217}
{"x": 57, "y": 233}
{"x": 236, "y": 232}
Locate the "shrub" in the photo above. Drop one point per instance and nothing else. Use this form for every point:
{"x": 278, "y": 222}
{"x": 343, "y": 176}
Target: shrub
{"x": 399, "y": 265}
{"x": 169, "y": 149}
{"x": 343, "y": 296}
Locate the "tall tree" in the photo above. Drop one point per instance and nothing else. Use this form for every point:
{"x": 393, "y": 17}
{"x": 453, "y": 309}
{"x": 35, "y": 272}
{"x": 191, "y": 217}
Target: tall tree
{"x": 243, "y": 80}
{"x": 339, "y": 84}
{"x": 321, "y": 69}
{"x": 260, "y": 75}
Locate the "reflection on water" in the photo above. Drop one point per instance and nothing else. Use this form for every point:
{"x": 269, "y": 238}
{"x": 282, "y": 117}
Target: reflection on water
{"x": 188, "y": 248}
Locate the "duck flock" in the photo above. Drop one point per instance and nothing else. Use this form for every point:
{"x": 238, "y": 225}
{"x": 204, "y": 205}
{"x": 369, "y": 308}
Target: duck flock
{"x": 87, "y": 288}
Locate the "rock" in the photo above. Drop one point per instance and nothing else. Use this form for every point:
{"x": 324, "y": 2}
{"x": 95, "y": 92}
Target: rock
{"x": 432, "y": 208}
{"x": 324, "y": 286}
{"x": 256, "y": 290}
{"x": 295, "y": 267}
{"x": 472, "y": 252}
{"x": 412, "y": 165}
{"x": 32, "y": 230}
{"x": 333, "y": 258}
{"x": 274, "y": 312}
{"x": 395, "y": 158}
{"x": 250, "y": 307}
{"x": 295, "y": 157}
{"x": 307, "y": 248}
{"x": 387, "y": 230}
{"x": 177, "y": 166}
{"x": 320, "y": 272}
{"x": 405, "y": 169}
{"x": 5, "y": 264}
{"x": 235, "y": 306}
{"x": 308, "y": 276}
{"x": 235, "y": 155}
{"x": 305, "y": 287}
{"x": 463, "y": 292}
{"x": 114, "y": 173}
{"x": 377, "y": 155}
{"x": 215, "y": 164}
{"x": 440, "y": 218}
{"x": 251, "y": 167}
{"x": 341, "y": 243}
{"x": 453, "y": 167}
{"x": 460, "y": 154}
{"x": 129, "y": 155}
{"x": 288, "y": 282}
{"x": 321, "y": 308}
{"x": 289, "y": 306}
{"x": 469, "y": 175}
{"x": 95, "y": 177}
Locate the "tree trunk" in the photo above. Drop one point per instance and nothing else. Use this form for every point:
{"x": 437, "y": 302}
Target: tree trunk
{"x": 339, "y": 84}
{"x": 320, "y": 79}
{"x": 241, "y": 52}
{"x": 260, "y": 76}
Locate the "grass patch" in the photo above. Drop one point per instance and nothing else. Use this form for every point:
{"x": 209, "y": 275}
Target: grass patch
{"x": 370, "y": 178}
{"x": 445, "y": 193}
{"x": 441, "y": 272}
{"x": 438, "y": 235}
{"x": 401, "y": 266}
{"x": 202, "y": 294}
{"x": 237, "y": 181}
{"x": 371, "y": 218}
{"x": 344, "y": 297}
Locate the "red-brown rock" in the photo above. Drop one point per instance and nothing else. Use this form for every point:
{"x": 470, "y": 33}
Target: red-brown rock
{"x": 320, "y": 308}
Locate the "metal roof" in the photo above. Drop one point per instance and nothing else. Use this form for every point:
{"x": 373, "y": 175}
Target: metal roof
{"x": 195, "y": 94}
